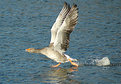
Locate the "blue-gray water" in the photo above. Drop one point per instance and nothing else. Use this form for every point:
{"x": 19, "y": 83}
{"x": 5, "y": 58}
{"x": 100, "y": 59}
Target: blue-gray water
{"x": 27, "y": 23}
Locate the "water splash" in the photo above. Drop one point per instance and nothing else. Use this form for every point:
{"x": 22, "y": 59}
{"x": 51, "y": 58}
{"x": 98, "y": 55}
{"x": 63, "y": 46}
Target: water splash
{"x": 103, "y": 62}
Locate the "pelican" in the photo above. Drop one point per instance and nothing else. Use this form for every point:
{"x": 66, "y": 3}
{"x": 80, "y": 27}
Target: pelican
{"x": 60, "y": 35}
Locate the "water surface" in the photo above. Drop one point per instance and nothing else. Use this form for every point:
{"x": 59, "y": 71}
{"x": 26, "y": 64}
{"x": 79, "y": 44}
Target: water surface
{"x": 27, "y": 23}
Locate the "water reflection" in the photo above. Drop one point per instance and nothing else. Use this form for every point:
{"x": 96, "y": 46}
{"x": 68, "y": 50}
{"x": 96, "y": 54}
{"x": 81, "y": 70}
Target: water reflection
{"x": 57, "y": 75}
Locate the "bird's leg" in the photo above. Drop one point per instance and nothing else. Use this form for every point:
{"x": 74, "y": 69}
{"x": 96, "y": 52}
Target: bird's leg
{"x": 73, "y": 63}
{"x": 56, "y": 65}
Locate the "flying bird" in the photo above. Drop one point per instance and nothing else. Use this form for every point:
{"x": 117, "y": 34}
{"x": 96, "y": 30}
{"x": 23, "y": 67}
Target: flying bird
{"x": 60, "y": 35}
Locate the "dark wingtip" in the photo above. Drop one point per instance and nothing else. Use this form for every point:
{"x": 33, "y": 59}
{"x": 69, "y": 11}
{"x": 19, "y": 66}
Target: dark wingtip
{"x": 66, "y": 5}
{"x": 74, "y": 5}
{"x": 65, "y": 2}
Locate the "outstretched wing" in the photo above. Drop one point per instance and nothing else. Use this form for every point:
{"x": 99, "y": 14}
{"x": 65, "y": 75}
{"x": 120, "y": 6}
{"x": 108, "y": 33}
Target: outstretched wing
{"x": 62, "y": 39}
{"x": 59, "y": 21}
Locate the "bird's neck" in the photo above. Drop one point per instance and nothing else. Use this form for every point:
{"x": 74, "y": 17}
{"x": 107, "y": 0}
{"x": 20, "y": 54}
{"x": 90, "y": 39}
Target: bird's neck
{"x": 36, "y": 51}
{"x": 42, "y": 51}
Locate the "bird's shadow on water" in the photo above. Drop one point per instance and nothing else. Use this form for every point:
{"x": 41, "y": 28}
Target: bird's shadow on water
{"x": 56, "y": 75}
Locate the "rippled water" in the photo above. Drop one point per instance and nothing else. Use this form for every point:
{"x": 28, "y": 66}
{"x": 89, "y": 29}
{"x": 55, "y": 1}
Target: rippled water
{"x": 27, "y": 23}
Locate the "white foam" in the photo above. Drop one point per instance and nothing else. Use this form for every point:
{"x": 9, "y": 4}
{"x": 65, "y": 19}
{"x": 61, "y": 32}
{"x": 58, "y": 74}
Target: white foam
{"x": 103, "y": 62}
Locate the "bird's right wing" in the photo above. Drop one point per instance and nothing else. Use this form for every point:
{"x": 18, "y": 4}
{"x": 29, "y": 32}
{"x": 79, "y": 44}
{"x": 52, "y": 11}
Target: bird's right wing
{"x": 59, "y": 21}
{"x": 62, "y": 38}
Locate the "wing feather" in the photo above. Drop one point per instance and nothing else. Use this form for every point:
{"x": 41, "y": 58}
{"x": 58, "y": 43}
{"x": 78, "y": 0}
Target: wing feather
{"x": 59, "y": 21}
{"x": 63, "y": 34}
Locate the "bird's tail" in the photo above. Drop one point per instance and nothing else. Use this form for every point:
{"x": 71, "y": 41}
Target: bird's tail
{"x": 68, "y": 57}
